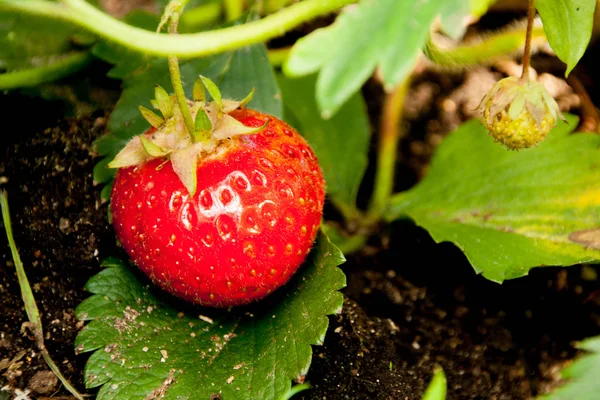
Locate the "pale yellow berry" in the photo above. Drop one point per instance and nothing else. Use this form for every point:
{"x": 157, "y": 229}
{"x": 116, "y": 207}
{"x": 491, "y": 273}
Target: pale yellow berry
{"x": 519, "y": 114}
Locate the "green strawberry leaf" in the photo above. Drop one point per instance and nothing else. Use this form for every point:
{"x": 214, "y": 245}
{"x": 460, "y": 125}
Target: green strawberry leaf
{"x": 126, "y": 63}
{"x": 31, "y": 41}
{"x": 388, "y": 34}
{"x": 36, "y": 50}
{"x": 145, "y": 347}
{"x": 568, "y": 26}
{"x": 511, "y": 211}
{"x": 340, "y": 143}
{"x": 249, "y": 68}
{"x": 236, "y": 73}
{"x": 583, "y": 375}
{"x": 454, "y": 18}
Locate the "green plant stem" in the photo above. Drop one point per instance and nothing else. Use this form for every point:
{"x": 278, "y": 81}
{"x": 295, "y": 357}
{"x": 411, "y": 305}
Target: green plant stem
{"x": 400, "y": 202}
{"x": 278, "y": 56}
{"x": 201, "y": 16}
{"x": 354, "y": 243}
{"x": 180, "y": 95}
{"x": 187, "y": 45}
{"x": 27, "y": 294}
{"x": 176, "y": 75}
{"x": 390, "y": 133}
{"x": 485, "y": 51}
{"x": 53, "y": 71}
{"x": 527, "y": 51}
{"x": 233, "y": 9}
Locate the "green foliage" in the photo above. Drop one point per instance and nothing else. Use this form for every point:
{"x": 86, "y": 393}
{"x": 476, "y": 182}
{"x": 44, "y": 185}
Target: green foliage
{"x": 437, "y": 387}
{"x": 583, "y": 375}
{"x": 146, "y": 348}
{"x": 568, "y": 26}
{"x": 247, "y": 69}
{"x": 388, "y": 34}
{"x": 340, "y": 143}
{"x": 511, "y": 211}
{"x": 30, "y": 41}
{"x": 453, "y": 18}
{"x": 36, "y": 50}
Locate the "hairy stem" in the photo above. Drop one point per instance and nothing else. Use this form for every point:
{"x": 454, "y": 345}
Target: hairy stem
{"x": 180, "y": 94}
{"x": 486, "y": 51}
{"x": 187, "y": 45}
{"x": 527, "y": 52}
{"x": 51, "y": 72}
{"x": 172, "y": 14}
{"x": 390, "y": 133}
{"x": 31, "y": 309}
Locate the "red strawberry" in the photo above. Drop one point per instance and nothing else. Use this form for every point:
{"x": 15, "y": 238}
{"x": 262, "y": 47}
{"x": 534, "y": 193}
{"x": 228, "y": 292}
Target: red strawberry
{"x": 250, "y": 221}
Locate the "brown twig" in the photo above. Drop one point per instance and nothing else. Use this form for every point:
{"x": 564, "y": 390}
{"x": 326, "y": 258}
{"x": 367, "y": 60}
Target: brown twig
{"x": 590, "y": 117}
{"x": 527, "y": 52}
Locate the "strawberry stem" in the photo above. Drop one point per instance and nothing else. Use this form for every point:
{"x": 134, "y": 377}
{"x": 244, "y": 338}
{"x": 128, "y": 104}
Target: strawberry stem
{"x": 189, "y": 45}
{"x": 486, "y": 51}
{"x": 527, "y": 52}
{"x": 390, "y": 133}
{"x": 180, "y": 95}
{"x": 172, "y": 13}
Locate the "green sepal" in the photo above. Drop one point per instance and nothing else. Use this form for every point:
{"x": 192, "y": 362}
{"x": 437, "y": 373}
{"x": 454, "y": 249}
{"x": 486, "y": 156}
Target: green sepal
{"x": 198, "y": 93}
{"x": 151, "y": 117}
{"x": 516, "y": 107}
{"x": 248, "y": 98}
{"x": 165, "y": 104}
{"x": 229, "y": 127}
{"x": 152, "y": 149}
{"x": 214, "y": 91}
{"x": 202, "y": 124}
{"x": 132, "y": 154}
{"x": 184, "y": 163}
{"x": 154, "y": 104}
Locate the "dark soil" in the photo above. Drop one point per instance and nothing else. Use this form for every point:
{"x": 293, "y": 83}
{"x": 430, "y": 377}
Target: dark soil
{"x": 420, "y": 305}
{"x": 410, "y": 304}
{"x": 59, "y": 226}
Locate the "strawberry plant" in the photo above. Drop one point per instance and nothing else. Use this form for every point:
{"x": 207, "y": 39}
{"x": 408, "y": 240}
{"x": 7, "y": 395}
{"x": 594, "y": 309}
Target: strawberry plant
{"x": 250, "y": 147}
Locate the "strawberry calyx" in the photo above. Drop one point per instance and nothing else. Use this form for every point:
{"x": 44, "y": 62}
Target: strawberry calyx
{"x": 169, "y": 138}
{"x": 519, "y": 113}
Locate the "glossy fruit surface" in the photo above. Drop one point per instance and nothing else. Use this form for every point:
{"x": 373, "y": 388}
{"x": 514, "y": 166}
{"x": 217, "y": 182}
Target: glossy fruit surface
{"x": 245, "y": 231}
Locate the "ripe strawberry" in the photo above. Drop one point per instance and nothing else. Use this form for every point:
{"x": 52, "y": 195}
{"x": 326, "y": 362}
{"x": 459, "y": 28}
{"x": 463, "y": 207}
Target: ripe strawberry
{"x": 223, "y": 221}
{"x": 519, "y": 114}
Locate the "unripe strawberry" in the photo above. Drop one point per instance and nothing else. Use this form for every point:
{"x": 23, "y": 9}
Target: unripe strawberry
{"x": 519, "y": 114}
